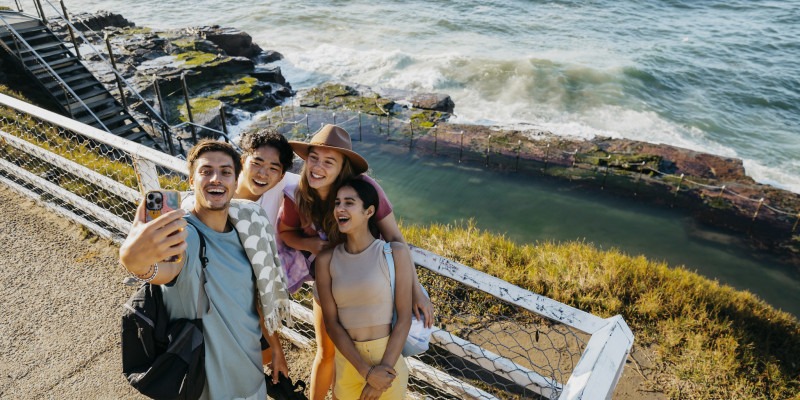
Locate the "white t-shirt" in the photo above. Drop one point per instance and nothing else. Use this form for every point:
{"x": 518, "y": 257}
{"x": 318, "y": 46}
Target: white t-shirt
{"x": 270, "y": 201}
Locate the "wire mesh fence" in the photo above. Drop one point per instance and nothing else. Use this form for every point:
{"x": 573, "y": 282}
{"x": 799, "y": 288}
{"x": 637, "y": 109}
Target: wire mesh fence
{"x": 486, "y": 346}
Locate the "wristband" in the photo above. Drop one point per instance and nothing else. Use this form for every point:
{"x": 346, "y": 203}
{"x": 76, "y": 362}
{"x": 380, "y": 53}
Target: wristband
{"x": 153, "y": 268}
{"x": 366, "y": 378}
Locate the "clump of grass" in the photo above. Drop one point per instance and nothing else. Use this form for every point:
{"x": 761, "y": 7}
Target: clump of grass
{"x": 711, "y": 341}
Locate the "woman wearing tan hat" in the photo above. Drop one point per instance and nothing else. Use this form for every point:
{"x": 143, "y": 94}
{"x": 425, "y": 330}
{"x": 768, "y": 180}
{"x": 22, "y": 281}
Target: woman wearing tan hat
{"x": 307, "y": 224}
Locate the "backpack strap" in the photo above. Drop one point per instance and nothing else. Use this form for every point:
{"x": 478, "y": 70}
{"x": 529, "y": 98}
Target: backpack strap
{"x": 387, "y": 251}
{"x": 202, "y": 297}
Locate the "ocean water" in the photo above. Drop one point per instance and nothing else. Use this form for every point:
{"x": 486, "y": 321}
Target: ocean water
{"x": 716, "y": 76}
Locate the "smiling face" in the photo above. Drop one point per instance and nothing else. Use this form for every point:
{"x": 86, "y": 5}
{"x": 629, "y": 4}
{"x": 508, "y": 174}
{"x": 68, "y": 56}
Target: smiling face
{"x": 261, "y": 171}
{"x": 213, "y": 180}
{"x": 322, "y": 168}
{"x": 350, "y": 212}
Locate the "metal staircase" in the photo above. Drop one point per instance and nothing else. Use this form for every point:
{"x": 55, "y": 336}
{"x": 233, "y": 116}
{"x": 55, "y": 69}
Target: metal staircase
{"x": 44, "y": 57}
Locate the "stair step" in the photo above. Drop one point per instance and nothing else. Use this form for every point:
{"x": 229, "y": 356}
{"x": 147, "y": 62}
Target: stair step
{"x": 89, "y": 89}
{"x": 135, "y": 136}
{"x": 37, "y": 37}
{"x": 40, "y": 47}
{"x": 59, "y": 51}
{"x": 61, "y": 71}
{"x": 117, "y": 119}
{"x": 125, "y": 128}
{"x": 87, "y": 118}
{"x": 94, "y": 104}
{"x": 91, "y": 84}
{"x": 90, "y": 97}
{"x": 21, "y": 31}
{"x": 53, "y": 64}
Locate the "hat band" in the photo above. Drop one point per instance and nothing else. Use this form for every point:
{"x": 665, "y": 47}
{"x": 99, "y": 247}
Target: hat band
{"x": 325, "y": 144}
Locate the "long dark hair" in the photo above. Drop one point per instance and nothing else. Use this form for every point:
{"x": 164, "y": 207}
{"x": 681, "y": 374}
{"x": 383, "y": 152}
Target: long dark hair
{"x": 369, "y": 196}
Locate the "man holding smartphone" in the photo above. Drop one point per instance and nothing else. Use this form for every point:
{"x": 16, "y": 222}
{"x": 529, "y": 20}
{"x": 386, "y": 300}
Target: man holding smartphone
{"x": 232, "y": 328}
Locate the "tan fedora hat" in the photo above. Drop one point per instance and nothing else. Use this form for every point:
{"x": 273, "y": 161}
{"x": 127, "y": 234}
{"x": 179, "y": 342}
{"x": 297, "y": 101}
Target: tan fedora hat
{"x": 332, "y": 137}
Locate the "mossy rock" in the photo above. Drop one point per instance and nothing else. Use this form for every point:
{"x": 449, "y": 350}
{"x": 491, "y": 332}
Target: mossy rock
{"x": 245, "y": 91}
{"x": 719, "y": 204}
{"x": 621, "y": 161}
{"x": 192, "y": 59}
{"x": 200, "y": 105}
{"x": 334, "y": 95}
{"x": 426, "y": 118}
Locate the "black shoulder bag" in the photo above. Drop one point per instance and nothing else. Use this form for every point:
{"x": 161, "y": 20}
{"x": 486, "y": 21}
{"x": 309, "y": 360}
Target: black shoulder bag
{"x": 164, "y": 360}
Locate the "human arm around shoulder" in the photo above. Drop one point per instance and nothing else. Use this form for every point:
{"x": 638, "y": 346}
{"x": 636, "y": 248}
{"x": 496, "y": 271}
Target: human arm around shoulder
{"x": 150, "y": 242}
{"x": 402, "y": 303}
{"x": 421, "y": 303}
{"x": 290, "y": 230}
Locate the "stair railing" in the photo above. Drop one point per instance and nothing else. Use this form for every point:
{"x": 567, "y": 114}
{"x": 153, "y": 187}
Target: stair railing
{"x": 19, "y": 39}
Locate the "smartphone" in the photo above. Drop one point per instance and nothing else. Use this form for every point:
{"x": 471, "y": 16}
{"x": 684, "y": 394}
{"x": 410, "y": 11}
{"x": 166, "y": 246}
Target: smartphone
{"x": 158, "y": 202}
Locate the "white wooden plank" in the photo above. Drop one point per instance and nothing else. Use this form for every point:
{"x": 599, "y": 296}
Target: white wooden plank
{"x": 597, "y": 372}
{"x": 72, "y": 167}
{"x": 67, "y": 196}
{"x": 533, "y": 302}
{"x": 302, "y": 313}
{"x": 496, "y": 364}
{"x": 98, "y": 135}
{"x": 445, "y": 381}
{"x": 296, "y": 338}
{"x": 146, "y": 174}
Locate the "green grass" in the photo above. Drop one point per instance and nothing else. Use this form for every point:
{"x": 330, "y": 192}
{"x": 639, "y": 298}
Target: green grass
{"x": 710, "y": 340}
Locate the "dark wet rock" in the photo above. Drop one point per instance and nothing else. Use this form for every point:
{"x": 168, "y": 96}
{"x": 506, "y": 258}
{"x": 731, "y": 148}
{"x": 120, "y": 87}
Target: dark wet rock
{"x": 233, "y": 41}
{"x": 94, "y": 21}
{"x": 427, "y": 101}
{"x": 270, "y": 75}
{"x": 269, "y": 56}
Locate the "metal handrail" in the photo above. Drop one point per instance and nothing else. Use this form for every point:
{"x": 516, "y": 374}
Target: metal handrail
{"x": 117, "y": 73}
{"x": 52, "y": 72}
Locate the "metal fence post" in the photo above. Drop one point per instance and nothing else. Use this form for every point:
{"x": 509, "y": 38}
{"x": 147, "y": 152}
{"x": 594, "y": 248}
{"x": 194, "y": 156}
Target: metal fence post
{"x": 435, "y": 140}
{"x": 224, "y": 125}
{"x": 488, "y": 148}
{"x": 546, "y": 156}
{"x": 677, "y": 189}
{"x": 755, "y": 214}
{"x": 71, "y": 33}
{"x": 41, "y": 11}
{"x": 638, "y": 179}
{"x": 116, "y": 73}
{"x": 519, "y": 149}
{"x": 164, "y": 128}
{"x": 795, "y": 222}
{"x": 411, "y": 141}
{"x": 359, "y": 126}
{"x": 461, "y": 147}
{"x": 188, "y": 107}
{"x": 605, "y": 176}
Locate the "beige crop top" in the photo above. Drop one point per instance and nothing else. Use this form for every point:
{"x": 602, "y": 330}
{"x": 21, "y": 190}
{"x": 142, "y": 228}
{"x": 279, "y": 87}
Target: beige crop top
{"x": 360, "y": 285}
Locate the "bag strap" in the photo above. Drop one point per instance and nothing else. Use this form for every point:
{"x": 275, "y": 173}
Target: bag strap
{"x": 202, "y": 296}
{"x": 387, "y": 251}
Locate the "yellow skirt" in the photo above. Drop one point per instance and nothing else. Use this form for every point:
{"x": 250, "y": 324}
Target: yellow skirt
{"x": 349, "y": 383}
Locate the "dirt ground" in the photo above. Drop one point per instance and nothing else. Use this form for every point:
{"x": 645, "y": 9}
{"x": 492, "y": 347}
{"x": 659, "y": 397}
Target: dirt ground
{"x": 61, "y": 290}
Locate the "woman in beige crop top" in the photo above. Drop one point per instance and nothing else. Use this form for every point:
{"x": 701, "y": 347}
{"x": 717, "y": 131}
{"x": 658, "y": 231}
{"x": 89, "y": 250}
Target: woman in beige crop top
{"x": 356, "y": 299}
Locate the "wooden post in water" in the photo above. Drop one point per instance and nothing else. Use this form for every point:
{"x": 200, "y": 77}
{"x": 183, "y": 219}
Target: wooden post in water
{"x": 546, "y": 156}
{"x": 605, "y": 176}
{"x": 461, "y": 147}
{"x": 189, "y": 108}
{"x": 164, "y": 128}
{"x": 519, "y": 149}
{"x": 71, "y": 32}
{"x": 677, "y": 189}
{"x": 224, "y": 125}
{"x": 334, "y": 118}
{"x": 574, "y": 157}
{"x": 795, "y": 222}
{"x": 359, "y": 126}
{"x": 116, "y": 73}
{"x": 755, "y": 214}
{"x": 308, "y": 128}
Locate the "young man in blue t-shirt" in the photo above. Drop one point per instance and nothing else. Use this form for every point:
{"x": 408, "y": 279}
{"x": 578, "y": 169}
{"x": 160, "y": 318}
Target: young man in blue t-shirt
{"x": 231, "y": 325}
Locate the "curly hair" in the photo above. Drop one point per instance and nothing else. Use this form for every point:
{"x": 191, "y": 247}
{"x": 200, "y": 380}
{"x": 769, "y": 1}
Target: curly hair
{"x": 312, "y": 208}
{"x": 250, "y": 142}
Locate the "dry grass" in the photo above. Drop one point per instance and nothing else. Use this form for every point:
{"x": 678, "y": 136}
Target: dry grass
{"x": 711, "y": 341}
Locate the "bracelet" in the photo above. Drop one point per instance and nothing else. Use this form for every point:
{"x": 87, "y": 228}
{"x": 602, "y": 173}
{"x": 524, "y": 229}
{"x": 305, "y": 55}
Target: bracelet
{"x": 149, "y": 270}
{"x": 153, "y": 268}
{"x": 366, "y": 378}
